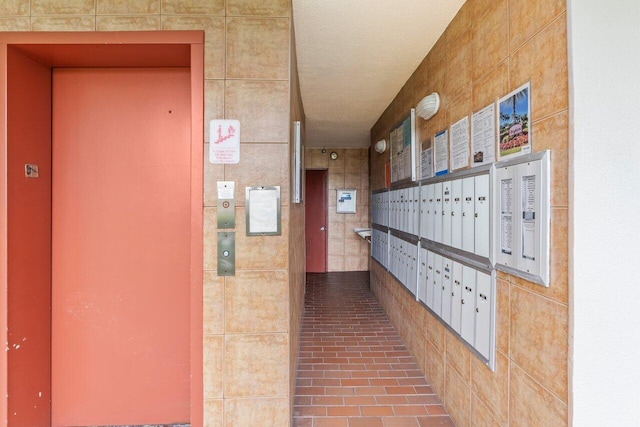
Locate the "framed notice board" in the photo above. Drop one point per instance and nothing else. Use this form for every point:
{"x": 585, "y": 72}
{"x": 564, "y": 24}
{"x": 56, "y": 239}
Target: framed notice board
{"x": 403, "y": 149}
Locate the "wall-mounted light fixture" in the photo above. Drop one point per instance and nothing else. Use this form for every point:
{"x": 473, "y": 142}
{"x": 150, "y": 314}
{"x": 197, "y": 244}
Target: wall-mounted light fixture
{"x": 428, "y": 106}
{"x": 380, "y": 146}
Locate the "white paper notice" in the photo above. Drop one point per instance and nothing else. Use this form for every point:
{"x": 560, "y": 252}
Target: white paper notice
{"x": 529, "y": 217}
{"x": 460, "y": 144}
{"x": 426, "y": 163}
{"x": 263, "y": 216}
{"x": 483, "y": 136}
{"x": 441, "y": 154}
{"x": 506, "y": 216}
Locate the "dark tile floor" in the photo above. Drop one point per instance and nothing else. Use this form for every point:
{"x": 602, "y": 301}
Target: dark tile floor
{"x": 353, "y": 368}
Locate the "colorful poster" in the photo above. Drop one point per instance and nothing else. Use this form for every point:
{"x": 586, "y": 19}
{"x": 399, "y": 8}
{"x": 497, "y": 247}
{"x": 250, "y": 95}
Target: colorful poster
{"x": 514, "y": 112}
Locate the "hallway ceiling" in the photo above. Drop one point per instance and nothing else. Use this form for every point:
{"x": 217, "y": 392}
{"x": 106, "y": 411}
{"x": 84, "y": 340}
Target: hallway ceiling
{"x": 354, "y": 56}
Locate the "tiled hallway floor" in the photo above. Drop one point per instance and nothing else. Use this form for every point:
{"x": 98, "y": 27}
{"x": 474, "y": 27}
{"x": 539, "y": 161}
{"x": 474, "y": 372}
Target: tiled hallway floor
{"x": 353, "y": 368}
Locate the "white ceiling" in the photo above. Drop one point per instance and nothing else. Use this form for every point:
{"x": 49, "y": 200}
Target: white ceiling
{"x": 354, "y": 56}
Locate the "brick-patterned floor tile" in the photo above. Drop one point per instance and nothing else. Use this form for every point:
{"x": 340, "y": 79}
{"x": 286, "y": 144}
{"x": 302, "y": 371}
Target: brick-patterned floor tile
{"x": 353, "y": 368}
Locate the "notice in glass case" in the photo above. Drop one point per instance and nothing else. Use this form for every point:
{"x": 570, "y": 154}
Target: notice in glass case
{"x": 403, "y": 152}
{"x": 460, "y": 144}
{"x": 441, "y": 152}
{"x": 483, "y": 136}
{"x": 263, "y": 211}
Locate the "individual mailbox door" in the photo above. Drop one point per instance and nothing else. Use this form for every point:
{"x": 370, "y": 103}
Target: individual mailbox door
{"x": 431, "y": 207}
{"x": 483, "y": 313}
{"x": 392, "y": 208}
{"x": 415, "y": 218}
{"x": 422, "y": 278}
{"x": 468, "y": 211}
{"x": 446, "y": 213}
{"x": 395, "y": 256}
{"x": 447, "y": 270}
{"x": 437, "y": 227}
{"x": 431, "y": 277}
{"x": 402, "y": 273}
{"x": 456, "y": 213}
{"x": 437, "y": 286}
{"x": 400, "y": 221}
{"x": 482, "y": 240}
{"x": 412, "y": 279}
{"x": 424, "y": 208}
{"x": 456, "y": 296}
{"x": 467, "y": 323}
{"x": 385, "y": 202}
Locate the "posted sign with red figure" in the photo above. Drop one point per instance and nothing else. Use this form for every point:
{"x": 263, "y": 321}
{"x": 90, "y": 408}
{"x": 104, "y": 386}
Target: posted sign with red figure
{"x": 224, "y": 141}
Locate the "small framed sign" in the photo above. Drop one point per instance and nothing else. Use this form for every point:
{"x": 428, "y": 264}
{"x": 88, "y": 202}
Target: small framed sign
{"x": 263, "y": 211}
{"x": 346, "y": 202}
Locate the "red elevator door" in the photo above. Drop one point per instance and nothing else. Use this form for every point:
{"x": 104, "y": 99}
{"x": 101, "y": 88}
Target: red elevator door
{"x": 120, "y": 246}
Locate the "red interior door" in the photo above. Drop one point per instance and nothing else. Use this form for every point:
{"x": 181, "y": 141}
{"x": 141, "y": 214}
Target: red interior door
{"x": 120, "y": 246}
{"x": 316, "y": 220}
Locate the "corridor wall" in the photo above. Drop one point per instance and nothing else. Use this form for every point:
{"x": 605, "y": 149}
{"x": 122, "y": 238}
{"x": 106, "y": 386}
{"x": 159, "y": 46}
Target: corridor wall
{"x": 488, "y": 50}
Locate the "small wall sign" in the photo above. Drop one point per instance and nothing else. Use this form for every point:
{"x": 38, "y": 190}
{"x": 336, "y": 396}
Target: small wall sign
{"x": 224, "y": 141}
{"x": 346, "y": 202}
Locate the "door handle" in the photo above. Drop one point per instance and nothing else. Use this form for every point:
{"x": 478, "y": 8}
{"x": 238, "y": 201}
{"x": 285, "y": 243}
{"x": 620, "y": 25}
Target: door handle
{"x": 322, "y": 228}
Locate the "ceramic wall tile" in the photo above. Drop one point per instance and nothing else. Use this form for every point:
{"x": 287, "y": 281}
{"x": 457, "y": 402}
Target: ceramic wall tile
{"x": 15, "y": 23}
{"x": 490, "y": 34}
{"x": 532, "y": 405}
{"x": 213, "y": 373}
{"x": 492, "y": 387}
{"x": 256, "y": 302}
{"x": 481, "y": 416}
{"x": 63, "y": 23}
{"x": 214, "y": 45}
{"x": 213, "y": 104}
{"x": 274, "y": 172}
{"x": 526, "y": 18}
{"x": 213, "y": 303}
{"x": 543, "y": 62}
{"x": 261, "y": 252}
{"x": 213, "y": 413}
{"x": 256, "y": 412}
{"x": 193, "y": 7}
{"x": 256, "y": 365}
{"x": 261, "y": 8}
{"x": 502, "y": 315}
{"x": 14, "y": 8}
{"x": 459, "y": 65}
{"x": 539, "y": 339}
{"x": 262, "y": 107}
{"x": 128, "y": 23}
{"x": 457, "y": 398}
{"x": 127, "y": 7}
{"x": 491, "y": 86}
{"x": 458, "y": 356}
{"x": 552, "y": 133}
{"x": 258, "y": 48}
{"x": 67, "y": 7}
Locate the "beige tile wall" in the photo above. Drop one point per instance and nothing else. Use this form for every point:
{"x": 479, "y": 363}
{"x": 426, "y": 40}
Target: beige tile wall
{"x": 250, "y": 328}
{"x": 489, "y": 49}
{"x": 346, "y": 250}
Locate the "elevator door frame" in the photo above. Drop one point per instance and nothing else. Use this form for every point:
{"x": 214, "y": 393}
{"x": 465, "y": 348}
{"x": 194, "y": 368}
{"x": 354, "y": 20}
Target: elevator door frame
{"x": 106, "y": 49}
